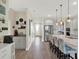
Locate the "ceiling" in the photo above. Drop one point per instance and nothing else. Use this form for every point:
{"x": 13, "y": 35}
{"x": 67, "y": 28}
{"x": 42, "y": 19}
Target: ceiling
{"x": 44, "y": 7}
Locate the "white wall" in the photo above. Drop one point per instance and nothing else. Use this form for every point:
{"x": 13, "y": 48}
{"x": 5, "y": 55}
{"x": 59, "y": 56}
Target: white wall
{"x": 15, "y": 16}
{"x": 43, "y": 21}
{"x": 12, "y": 20}
{"x": 29, "y": 38}
{"x": 26, "y": 15}
{"x": 21, "y": 14}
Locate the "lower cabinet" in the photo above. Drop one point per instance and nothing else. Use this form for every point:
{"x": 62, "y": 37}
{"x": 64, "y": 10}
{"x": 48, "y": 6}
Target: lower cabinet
{"x": 20, "y": 42}
{"x": 5, "y": 53}
{"x": 13, "y": 51}
{"x": 8, "y": 52}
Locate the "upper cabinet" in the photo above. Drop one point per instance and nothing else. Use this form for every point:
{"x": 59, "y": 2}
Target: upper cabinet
{"x": 3, "y": 2}
{"x": 73, "y": 26}
{"x": 3, "y": 7}
{"x": 4, "y": 21}
{"x": 2, "y": 10}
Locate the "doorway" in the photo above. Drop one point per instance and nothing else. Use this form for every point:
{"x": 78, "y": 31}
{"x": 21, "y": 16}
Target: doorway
{"x": 38, "y": 30}
{"x": 48, "y": 30}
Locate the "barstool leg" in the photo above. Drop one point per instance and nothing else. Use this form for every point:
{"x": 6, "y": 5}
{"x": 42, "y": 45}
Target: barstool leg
{"x": 75, "y": 55}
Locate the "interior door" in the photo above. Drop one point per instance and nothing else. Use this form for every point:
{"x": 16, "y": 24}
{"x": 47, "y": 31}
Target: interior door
{"x": 48, "y": 29}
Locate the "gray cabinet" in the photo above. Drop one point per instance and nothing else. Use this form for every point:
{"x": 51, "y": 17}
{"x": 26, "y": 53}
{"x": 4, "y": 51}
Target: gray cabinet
{"x": 20, "y": 42}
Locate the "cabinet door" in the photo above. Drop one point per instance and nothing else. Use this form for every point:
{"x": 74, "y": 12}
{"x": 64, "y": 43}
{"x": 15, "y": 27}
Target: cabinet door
{"x": 17, "y": 42}
{"x": 13, "y": 51}
{"x": 22, "y": 43}
{"x": 5, "y": 53}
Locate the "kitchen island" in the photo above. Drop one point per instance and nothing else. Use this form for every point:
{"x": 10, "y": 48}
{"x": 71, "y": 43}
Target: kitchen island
{"x": 7, "y": 51}
{"x": 72, "y": 42}
{"x": 67, "y": 45}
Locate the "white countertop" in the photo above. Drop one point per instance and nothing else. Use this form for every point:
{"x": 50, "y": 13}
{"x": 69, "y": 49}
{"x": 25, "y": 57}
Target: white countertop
{"x": 2, "y": 46}
{"x": 70, "y": 42}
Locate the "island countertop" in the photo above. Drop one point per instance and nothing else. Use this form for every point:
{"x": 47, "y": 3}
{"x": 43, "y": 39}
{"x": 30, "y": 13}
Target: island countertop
{"x": 70, "y": 42}
{"x": 20, "y": 36}
{"x": 2, "y": 46}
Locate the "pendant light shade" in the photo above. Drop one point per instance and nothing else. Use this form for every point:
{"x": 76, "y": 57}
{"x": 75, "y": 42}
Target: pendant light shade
{"x": 57, "y": 23}
{"x": 61, "y": 21}
{"x": 56, "y": 17}
{"x": 68, "y": 18}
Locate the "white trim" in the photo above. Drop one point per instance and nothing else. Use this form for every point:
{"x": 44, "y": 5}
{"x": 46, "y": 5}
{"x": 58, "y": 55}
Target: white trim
{"x": 27, "y": 49}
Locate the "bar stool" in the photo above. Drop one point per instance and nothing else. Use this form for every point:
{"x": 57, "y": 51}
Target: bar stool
{"x": 54, "y": 47}
{"x": 50, "y": 44}
{"x": 75, "y": 55}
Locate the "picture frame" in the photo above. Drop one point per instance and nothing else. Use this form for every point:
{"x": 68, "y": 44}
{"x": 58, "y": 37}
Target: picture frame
{"x": 25, "y": 22}
{"x": 4, "y": 28}
{"x": 2, "y": 10}
{"x": 21, "y": 19}
{"x": 13, "y": 27}
{"x": 17, "y": 22}
{"x": 4, "y": 1}
{"x": 0, "y": 29}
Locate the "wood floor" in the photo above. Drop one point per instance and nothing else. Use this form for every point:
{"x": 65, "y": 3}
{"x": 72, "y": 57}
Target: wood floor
{"x": 38, "y": 50}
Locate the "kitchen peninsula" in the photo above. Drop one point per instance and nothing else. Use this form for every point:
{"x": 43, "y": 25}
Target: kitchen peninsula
{"x": 7, "y": 51}
{"x": 67, "y": 45}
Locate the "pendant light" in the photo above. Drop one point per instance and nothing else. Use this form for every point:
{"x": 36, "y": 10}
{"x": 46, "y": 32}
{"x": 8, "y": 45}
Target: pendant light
{"x": 56, "y": 17}
{"x": 68, "y": 18}
{"x": 61, "y": 22}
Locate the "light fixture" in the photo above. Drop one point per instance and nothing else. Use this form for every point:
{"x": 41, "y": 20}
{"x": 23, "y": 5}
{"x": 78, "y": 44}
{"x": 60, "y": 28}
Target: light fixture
{"x": 74, "y": 3}
{"x": 49, "y": 15}
{"x": 61, "y": 21}
{"x": 56, "y": 23}
{"x": 68, "y": 18}
{"x": 56, "y": 17}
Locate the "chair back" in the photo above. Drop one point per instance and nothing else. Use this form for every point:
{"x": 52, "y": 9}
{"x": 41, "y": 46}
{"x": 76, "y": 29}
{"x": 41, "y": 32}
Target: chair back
{"x": 55, "y": 41}
{"x": 61, "y": 44}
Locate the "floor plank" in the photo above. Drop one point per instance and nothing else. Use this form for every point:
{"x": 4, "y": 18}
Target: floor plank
{"x": 38, "y": 50}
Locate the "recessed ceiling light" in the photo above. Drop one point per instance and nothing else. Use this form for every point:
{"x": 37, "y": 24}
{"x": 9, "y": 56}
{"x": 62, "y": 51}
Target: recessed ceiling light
{"x": 57, "y": 24}
{"x": 49, "y": 15}
{"x": 61, "y": 22}
{"x": 75, "y": 3}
